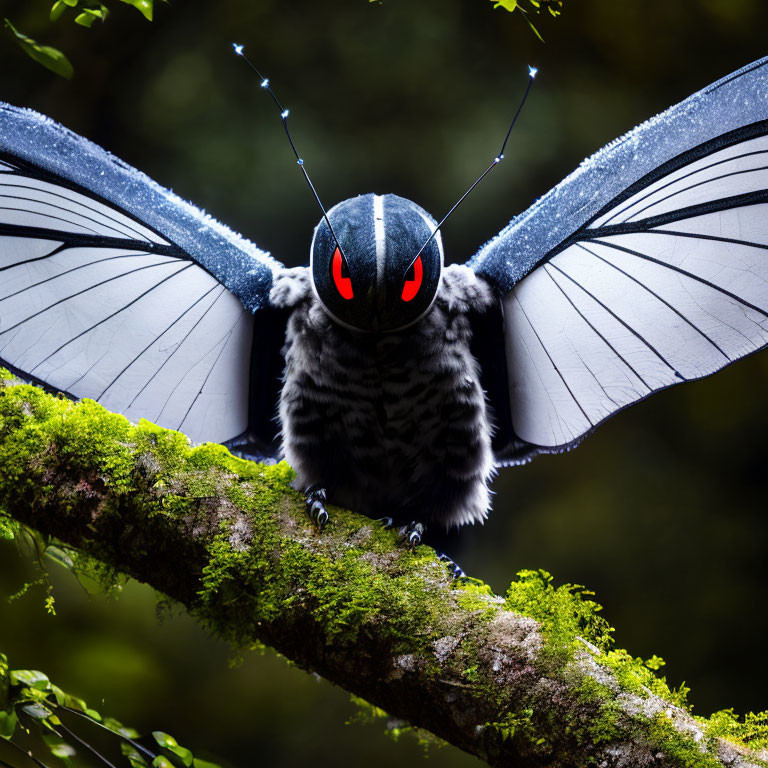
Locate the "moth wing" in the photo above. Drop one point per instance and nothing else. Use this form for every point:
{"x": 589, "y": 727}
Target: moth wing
{"x": 645, "y": 268}
{"x": 113, "y": 288}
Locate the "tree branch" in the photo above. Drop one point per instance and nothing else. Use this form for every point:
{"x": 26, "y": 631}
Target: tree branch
{"x": 230, "y": 540}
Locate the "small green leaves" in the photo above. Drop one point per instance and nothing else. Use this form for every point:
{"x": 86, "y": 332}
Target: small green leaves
{"x": 553, "y": 6}
{"x": 144, "y": 7}
{"x": 31, "y": 678}
{"x": 8, "y": 527}
{"x": 88, "y": 15}
{"x": 29, "y": 700}
{"x": 8, "y": 722}
{"x": 133, "y": 756}
{"x": 58, "y": 8}
{"x": 38, "y": 711}
{"x": 170, "y": 744}
{"x": 49, "y": 57}
{"x": 164, "y": 739}
{"x": 59, "y": 748}
{"x": 114, "y": 725}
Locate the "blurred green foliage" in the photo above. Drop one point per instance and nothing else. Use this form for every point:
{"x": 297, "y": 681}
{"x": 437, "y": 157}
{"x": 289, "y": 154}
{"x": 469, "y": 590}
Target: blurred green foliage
{"x": 36, "y": 714}
{"x": 554, "y": 7}
{"x": 661, "y": 512}
{"x": 49, "y": 57}
{"x": 84, "y": 13}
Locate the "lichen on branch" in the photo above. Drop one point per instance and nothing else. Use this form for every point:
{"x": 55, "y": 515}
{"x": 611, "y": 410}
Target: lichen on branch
{"x": 531, "y": 679}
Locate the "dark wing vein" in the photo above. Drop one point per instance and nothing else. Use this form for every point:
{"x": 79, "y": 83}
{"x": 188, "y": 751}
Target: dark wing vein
{"x": 73, "y": 269}
{"x": 660, "y": 298}
{"x": 105, "y": 213}
{"x": 212, "y": 368}
{"x": 625, "y": 324}
{"x": 600, "y": 335}
{"x": 80, "y": 293}
{"x": 554, "y": 365}
{"x": 109, "y": 317}
{"x": 630, "y": 203}
{"x": 685, "y": 272}
{"x": 168, "y": 359}
{"x": 698, "y": 184}
{"x": 62, "y": 208}
{"x": 156, "y": 339}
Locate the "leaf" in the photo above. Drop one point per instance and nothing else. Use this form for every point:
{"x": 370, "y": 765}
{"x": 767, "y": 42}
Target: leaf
{"x": 62, "y": 750}
{"x": 8, "y": 722}
{"x": 58, "y": 694}
{"x": 57, "y": 9}
{"x": 535, "y": 31}
{"x": 30, "y": 677}
{"x": 144, "y": 7}
{"x": 184, "y": 754}
{"x": 162, "y": 762}
{"x": 198, "y": 763}
{"x": 38, "y": 711}
{"x": 8, "y": 527}
{"x": 165, "y": 740}
{"x": 85, "y": 19}
{"x": 117, "y": 727}
{"x": 59, "y": 748}
{"x": 50, "y": 58}
{"x": 510, "y": 5}
{"x": 133, "y": 756}
{"x": 89, "y": 15}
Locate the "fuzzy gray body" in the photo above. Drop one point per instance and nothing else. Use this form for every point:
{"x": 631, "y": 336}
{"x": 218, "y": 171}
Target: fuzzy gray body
{"x": 391, "y": 424}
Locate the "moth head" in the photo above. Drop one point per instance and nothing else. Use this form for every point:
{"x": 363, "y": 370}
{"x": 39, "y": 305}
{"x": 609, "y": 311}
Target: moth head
{"x": 371, "y": 269}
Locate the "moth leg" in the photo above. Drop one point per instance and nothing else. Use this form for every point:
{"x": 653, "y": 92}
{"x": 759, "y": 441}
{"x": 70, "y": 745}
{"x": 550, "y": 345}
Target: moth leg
{"x": 454, "y": 569}
{"x": 412, "y": 533}
{"x": 315, "y": 501}
{"x": 387, "y": 522}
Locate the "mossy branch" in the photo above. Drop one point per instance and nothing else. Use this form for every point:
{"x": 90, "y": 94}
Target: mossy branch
{"x": 230, "y": 540}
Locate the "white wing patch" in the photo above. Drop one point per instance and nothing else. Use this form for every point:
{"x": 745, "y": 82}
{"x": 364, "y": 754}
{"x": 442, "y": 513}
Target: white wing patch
{"x": 34, "y": 203}
{"x": 97, "y": 305}
{"x": 638, "y": 303}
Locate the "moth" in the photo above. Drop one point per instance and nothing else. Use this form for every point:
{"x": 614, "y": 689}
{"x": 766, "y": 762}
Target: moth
{"x": 393, "y": 384}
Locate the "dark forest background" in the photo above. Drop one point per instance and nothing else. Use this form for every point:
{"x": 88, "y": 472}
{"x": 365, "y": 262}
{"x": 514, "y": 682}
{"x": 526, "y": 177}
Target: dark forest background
{"x": 662, "y": 512}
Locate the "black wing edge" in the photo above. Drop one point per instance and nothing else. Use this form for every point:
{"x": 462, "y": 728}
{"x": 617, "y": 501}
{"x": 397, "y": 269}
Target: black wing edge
{"x": 261, "y": 441}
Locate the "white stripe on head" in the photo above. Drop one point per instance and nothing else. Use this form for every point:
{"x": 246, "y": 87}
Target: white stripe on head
{"x": 381, "y": 246}
{"x": 438, "y": 238}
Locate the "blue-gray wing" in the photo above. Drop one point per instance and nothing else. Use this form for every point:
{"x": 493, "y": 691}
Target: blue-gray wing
{"x": 113, "y": 288}
{"x": 646, "y": 267}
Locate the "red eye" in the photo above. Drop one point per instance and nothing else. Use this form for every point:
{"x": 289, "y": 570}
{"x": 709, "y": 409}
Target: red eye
{"x": 413, "y": 280}
{"x": 341, "y": 275}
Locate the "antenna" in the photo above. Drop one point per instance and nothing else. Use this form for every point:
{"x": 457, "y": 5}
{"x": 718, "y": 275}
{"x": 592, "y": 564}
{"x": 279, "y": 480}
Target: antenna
{"x": 532, "y": 71}
{"x": 239, "y": 51}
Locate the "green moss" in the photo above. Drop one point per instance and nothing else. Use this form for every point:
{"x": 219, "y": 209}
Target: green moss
{"x": 565, "y": 612}
{"x": 680, "y": 748}
{"x": 345, "y": 594}
{"x": 353, "y": 583}
{"x": 750, "y": 731}
{"x": 571, "y": 623}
